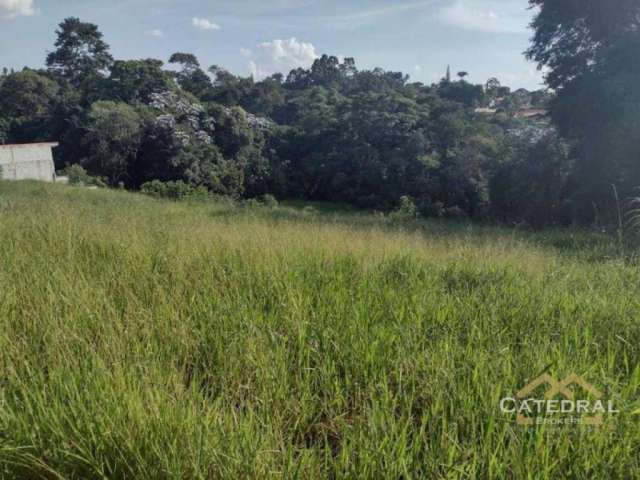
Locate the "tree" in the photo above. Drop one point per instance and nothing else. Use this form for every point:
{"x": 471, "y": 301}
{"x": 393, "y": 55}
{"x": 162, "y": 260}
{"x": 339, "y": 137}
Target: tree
{"x": 326, "y": 71}
{"x": 80, "y": 51}
{"x": 191, "y": 78}
{"x": 573, "y": 39}
{"x": 590, "y": 52}
{"x": 112, "y": 139}
{"x": 532, "y": 182}
{"x": 327, "y": 132}
{"x": 187, "y": 60}
{"x": 492, "y": 88}
{"x": 462, "y": 92}
{"x": 229, "y": 89}
{"x": 134, "y": 81}
{"x": 27, "y": 101}
{"x": 244, "y": 147}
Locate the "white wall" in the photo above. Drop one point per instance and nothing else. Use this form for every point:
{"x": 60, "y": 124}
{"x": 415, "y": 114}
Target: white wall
{"x": 27, "y": 162}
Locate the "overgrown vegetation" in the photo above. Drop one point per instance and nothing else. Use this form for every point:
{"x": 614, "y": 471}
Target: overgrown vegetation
{"x": 256, "y": 330}
{"x": 589, "y": 50}
{"x": 369, "y": 138}
{"x": 332, "y": 132}
{"x": 153, "y": 339}
{"x": 79, "y": 176}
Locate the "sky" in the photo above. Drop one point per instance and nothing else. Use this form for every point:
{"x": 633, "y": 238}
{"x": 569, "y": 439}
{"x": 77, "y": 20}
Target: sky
{"x": 485, "y": 38}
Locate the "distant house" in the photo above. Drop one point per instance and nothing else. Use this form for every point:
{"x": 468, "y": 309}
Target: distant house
{"x": 486, "y": 111}
{"x": 29, "y": 161}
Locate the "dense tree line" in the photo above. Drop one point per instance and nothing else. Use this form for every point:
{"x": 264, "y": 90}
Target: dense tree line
{"x": 591, "y": 50}
{"x": 371, "y": 138}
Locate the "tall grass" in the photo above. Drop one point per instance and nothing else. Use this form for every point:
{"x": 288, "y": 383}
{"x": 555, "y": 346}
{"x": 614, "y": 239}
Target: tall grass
{"x": 149, "y": 339}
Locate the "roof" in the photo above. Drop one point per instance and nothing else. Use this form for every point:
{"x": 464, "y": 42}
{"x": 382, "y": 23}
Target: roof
{"x": 41, "y": 144}
{"x": 532, "y": 112}
{"x": 486, "y": 110}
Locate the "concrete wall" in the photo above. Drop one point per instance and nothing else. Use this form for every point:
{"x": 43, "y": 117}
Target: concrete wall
{"x": 33, "y": 161}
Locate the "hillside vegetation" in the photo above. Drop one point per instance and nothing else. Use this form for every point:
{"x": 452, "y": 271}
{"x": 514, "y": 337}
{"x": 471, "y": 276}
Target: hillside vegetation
{"x": 372, "y": 138}
{"x": 151, "y": 339}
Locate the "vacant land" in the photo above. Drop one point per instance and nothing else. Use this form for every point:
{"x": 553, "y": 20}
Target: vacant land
{"x": 149, "y": 339}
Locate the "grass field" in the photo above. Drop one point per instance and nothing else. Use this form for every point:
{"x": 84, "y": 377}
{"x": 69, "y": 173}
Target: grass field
{"x": 149, "y": 340}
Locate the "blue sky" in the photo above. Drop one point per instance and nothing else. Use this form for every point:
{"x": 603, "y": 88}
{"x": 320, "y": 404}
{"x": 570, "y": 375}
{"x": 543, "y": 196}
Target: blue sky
{"x": 419, "y": 37}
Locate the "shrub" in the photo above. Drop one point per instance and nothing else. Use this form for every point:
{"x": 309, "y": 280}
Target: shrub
{"x": 269, "y": 201}
{"x": 154, "y": 188}
{"x": 78, "y": 176}
{"x": 406, "y": 210}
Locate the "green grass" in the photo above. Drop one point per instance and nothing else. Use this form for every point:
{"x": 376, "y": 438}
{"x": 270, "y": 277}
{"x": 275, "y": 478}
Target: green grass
{"x": 149, "y": 339}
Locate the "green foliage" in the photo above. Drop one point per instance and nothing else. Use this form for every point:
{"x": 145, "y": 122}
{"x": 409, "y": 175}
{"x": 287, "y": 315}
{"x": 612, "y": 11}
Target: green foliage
{"x": 144, "y": 339}
{"x": 590, "y": 52}
{"x": 192, "y": 79}
{"x": 80, "y": 51}
{"x": 133, "y": 81}
{"x": 4, "y": 130}
{"x": 27, "y": 105}
{"x": 531, "y": 184}
{"x": 112, "y": 140}
{"x": 269, "y": 201}
{"x": 406, "y": 210}
{"x": 462, "y": 92}
{"x": 79, "y": 176}
{"x": 178, "y": 190}
{"x": 187, "y": 60}
{"x": 335, "y": 133}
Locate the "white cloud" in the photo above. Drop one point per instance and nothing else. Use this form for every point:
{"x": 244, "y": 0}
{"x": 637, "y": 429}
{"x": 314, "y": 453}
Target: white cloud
{"x": 245, "y": 52}
{"x": 280, "y": 56}
{"x": 204, "y": 24}
{"x": 396, "y": 8}
{"x": 13, "y": 8}
{"x": 527, "y": 77}
{"x": 424, "y": 75}
{"x": 492, "y": 16}
{"x": 257, "y": 72}
{"x": 154, "y": 33}
{"x": 366, "y": 16}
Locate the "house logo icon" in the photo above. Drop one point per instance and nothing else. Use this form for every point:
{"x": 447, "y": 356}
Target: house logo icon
{"x": 565, "y": 402}
{"x": 560, "y": 388}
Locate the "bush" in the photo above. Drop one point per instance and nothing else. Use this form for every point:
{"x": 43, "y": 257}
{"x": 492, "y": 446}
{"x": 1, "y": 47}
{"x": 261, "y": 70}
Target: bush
{"x": 406, "y": 210}
{"x": 269, "y": 201}
{"x": 78, "y": 176}
{"x": 154, "y": 188}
